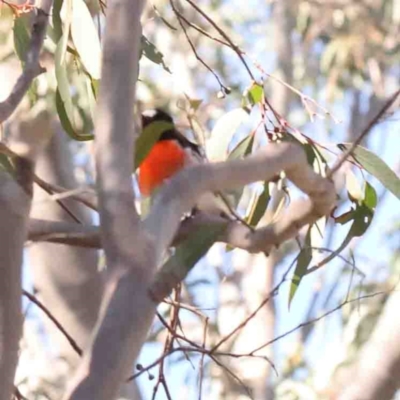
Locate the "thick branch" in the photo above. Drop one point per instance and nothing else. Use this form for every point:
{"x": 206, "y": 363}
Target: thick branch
{"x": 235, "y": 234}
{"x": 31, "y": 68}
{"x": 180, "y": 193}
{"x": 376, "y": 372}
{"x": 14, "y": 210}
{"x": 15, "y": 201}
{"x": 127, "y": 310}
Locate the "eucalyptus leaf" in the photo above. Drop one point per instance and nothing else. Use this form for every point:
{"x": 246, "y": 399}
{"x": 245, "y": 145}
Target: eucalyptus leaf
{"x": 150, "y": 51}
{"x": 85, "y": 38}
{"x": 66, "y": 123}
{"x": 259, "y": 206}
{"x": 376, "y": 167}
{"x": 302, "y": 264}
{"x": 242, "y": 149}
{"x": 21, "y": 37}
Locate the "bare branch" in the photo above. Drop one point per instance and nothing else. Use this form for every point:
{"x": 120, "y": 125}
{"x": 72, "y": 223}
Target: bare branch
{"x": 234, "y": 46}
{"x": 83, "y": 195}
{"x": 59, "y": 326}
{"x": 32, "y": 68}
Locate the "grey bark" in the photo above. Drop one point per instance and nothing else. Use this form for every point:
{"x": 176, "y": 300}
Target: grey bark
{"x": 376, "y": 373}
{"x": 283, "y": 23}
{"x": 14, "y": 211}
{"x": 26, "y": 140}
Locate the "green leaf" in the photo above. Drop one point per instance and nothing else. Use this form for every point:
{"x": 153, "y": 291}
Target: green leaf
{"x": 64, "y": 105}
{"x": 252, "y": 95}
{"x": 66, "y": 123}
{"x": 57, "y": 24}
{"x": 151, "y": 133}
{"x": 242, "y": 149}
{"x": 6, "y": 165}
{"x": 21, "y": 38}
{"x": 300, "y": 271}
{"x": 61, "y": 69}
{"x": 259, "y": 206}
{"x": 152, "y": 53}
{"x": 376, "y": 167}
{"x": 256, "y": 93}
{"x": 95, "y": 87}
{"x": 361, "y": 216}
{"x": 85, "y": 38}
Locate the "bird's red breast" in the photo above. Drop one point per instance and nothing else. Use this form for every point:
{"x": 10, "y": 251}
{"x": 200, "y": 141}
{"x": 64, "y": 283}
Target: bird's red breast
{"x": 165, "y": 159}
{"x": 172, "y": 152}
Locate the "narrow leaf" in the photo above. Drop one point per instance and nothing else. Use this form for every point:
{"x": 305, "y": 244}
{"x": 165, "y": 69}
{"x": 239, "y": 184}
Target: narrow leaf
{"x": 242, "y": 149}
{"x": 259, "y": 206}
{"x": 152, "y": 53}
{"x": 57, "y": 24}
{"x": 5, "y": 164}
{"x": 376, "y": 167}
{"x": 66, "y": 123}
{"x": 21, "y": 37}
{"x": 303, "y": 261}
{"x": 85, "y": 38}
{"x": 60, "y": 65}
{"x": 361, "y": 216}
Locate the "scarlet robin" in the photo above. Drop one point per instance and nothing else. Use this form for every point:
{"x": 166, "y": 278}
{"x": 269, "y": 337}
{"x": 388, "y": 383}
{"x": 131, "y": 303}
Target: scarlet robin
{"x": 172, "y": 152}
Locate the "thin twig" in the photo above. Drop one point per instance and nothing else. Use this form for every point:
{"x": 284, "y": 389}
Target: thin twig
{"x": 223, "y": 88}
{"x": 59, "y": 326}
{"x": 234, "y": 47}
{"x": 317, "y": 319}
{"x": 75, "y": 194}
{"x": 364, "y": 133}
{"x": 48, "y": 187}
{"x": 201, "y": 363}
{"x": 271, "y": 294}
{"x": 231, "y": 373}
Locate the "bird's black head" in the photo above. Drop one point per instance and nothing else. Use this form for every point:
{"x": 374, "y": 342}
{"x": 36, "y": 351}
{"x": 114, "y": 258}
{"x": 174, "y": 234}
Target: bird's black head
{"x": 156, "y": 114}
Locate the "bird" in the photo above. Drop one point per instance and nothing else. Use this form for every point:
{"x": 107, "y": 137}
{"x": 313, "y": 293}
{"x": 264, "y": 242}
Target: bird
{"x": 172, "y": 152}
